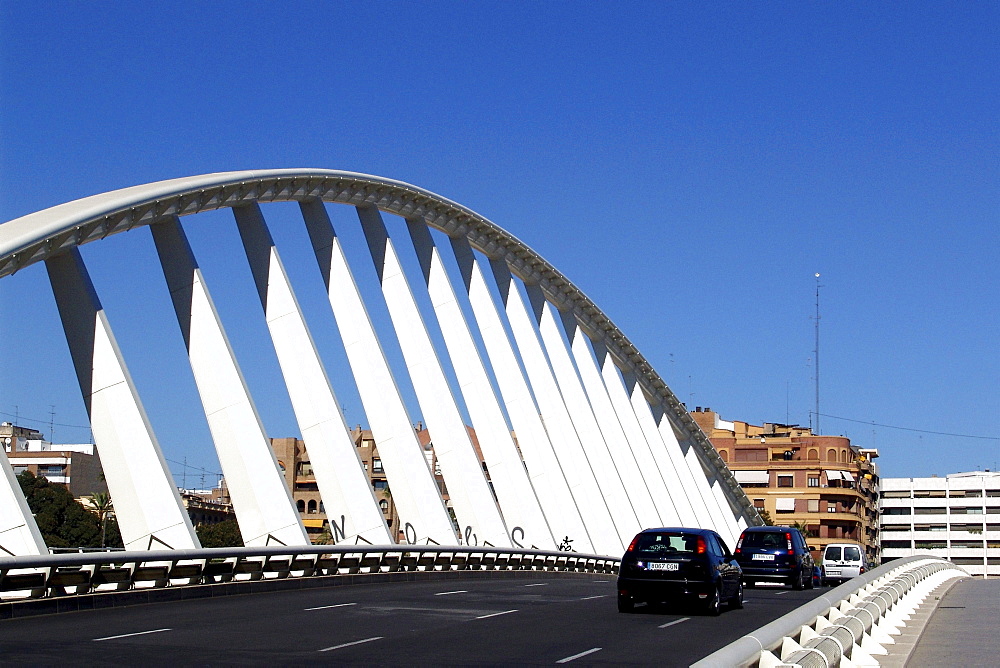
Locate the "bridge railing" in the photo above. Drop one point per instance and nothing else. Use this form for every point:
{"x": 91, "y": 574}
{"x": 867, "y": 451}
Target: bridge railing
{"x": 850, "y": 624}
{"x": 83, "y": 573}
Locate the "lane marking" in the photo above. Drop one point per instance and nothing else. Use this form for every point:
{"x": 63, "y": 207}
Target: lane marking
{"x": 446, "y": 593}
{"x": 605, "y": 581}
{"x": 587, "y": 598}
{"x": 325, "y": 607}
{"x": 538, "y": 584}
{"x": 577, "y": 656}
{"x": 129, "y": 635}
{"x": 348, "y": 644}
{"x": 781, "y": 593}
{"x": 676, "y": 621}
{"x": 496, "y": 614}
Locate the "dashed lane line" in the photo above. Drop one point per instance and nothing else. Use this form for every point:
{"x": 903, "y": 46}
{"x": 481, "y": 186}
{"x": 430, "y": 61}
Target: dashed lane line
{"x": 577, "y": 656}
{"x": 349, "y": 644}
{"x": 538, "y": 584}
{"x": 587, "y": 598}
{"x": 326, "y": 607}
{"x": 496, "y": 614}
{"x": 676, "y": 621}
{"x": 129, "y": 635}
{"x": 448, "y": 593}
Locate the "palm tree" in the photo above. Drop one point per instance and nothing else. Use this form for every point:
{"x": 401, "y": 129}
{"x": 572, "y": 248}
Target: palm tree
{"x": 103, "y": 506}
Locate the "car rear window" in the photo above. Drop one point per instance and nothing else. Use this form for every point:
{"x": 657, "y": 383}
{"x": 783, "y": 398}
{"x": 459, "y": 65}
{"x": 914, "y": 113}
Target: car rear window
{"x": 765, "y": 539}
{"x": 833, "y": 553}
{"x": 666, "y": 543}
{"x": 852, "y": 554}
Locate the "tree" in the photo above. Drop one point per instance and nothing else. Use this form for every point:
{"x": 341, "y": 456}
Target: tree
{"x": 223, "y": 534}
{"x": 766, "y": 517}
{"x": 62, "y": 521}
{"x": 102, "y": 505}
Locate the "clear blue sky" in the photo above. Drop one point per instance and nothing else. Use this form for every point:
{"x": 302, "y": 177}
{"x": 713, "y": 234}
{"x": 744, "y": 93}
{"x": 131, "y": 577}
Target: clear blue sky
{"x": 689, "y": 167}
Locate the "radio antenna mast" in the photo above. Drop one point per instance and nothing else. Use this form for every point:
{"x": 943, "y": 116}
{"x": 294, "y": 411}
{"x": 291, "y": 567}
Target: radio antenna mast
{"x": 816, "y": 354}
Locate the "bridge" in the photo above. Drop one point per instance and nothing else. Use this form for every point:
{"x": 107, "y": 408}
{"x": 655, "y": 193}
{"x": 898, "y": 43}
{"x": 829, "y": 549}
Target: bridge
{"x": 582, "y": 442}
{"x": 603, "y": 447}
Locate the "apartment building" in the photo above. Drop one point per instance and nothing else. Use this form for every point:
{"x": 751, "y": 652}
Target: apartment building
{"x": 75, "y": 465}
{"x": 956, "y": 517}
{"x": 822, "y": 484}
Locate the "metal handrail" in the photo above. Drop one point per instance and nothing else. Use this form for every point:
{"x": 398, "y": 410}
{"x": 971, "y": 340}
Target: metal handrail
{"x": 37, "y": 576}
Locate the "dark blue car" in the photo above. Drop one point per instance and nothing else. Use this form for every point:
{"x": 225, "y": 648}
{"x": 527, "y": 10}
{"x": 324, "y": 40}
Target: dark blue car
{"x": 679, "y": 565}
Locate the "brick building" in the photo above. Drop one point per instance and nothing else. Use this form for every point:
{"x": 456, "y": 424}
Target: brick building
{"x": 76, "y": 465}
{"x": 823, "y": 484}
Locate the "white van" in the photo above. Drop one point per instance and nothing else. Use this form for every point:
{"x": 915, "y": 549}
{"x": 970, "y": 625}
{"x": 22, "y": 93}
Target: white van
{"x": 843, "y": 561}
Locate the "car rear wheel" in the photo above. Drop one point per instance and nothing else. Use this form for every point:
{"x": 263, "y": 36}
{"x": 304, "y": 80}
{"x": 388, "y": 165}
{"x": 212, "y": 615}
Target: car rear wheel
{"x": 797, "y": 581}
{"x": 811, "y": 582}
{"x": 737, "y": 600}
{"x": 625, "y": 604}
{"x": 713, "y": 605}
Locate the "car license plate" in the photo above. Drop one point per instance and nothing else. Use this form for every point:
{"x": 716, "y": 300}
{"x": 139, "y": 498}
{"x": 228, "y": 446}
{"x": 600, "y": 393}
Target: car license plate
{"x": 763, "y": 557}
{"x": 657, "y": 566}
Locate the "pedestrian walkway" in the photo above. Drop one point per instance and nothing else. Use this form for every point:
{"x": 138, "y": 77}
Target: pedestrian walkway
{"x": 956, "y": 626}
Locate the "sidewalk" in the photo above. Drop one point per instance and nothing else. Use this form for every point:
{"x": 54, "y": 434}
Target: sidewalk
{"x": 960, "y": 630}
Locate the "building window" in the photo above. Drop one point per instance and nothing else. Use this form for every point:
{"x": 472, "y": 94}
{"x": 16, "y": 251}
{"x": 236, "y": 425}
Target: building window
{"x": 724, "y": 454}
{"x": 813, "y": 455}
{"x": 384, "y": 505}
{"x": 380, "y": 484}
{"x": 831, "y": 455}
{"x": 301, "y": 505}
{"x": 813, "y": 505}
{"x": 814, "y": 481}
{"x": 786, "y": 481}
{"x": 752, "y": 455}
{"x": 758, "y": 504}
{"x": 312, "y": 506}
{"x": 377, "y": 465}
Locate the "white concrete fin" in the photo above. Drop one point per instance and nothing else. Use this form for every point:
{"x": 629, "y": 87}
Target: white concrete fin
{"x": 475, "y": 508}
{"x": 822, "y": 623}
{"x": 789, "y": 647}
{"x": 807, "y": 633}
{"x": 414, "y": 490}
{"x": 609, "y": 471}
{"x": 263, "y": 503}
{"x": 562, "y": 513}
{"x": 558, "y": 423}
{"x": 768, "y": 660}
{"x": 19, "y": 535}
{"x": 146, "y": 500}
{"x": 870, "y": 647}
{"x": 340, "y": 476}
{"x": 517, "y": 499}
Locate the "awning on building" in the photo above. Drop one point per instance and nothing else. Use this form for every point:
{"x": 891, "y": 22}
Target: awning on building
{"x": 313, "y": 523}
{"x": 785, "y": 503}
{"x": 847, "y": 476}
{"x": 834, "y": 475}
{"x": 752, "y": 477}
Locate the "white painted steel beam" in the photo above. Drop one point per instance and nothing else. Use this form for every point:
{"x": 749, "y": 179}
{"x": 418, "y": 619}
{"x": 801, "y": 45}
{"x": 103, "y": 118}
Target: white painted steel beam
{"x": 521, "y": 511}
{"x": 661, "y": 496}
{"x": 558, "y": 423}
{"x": 349, "y": 499}
{"x": 263, "y": 503}
{"x": 148, "y": 508}
{"x": 581, "y": 412}
{"x": 619, "y": 447}
{"x": 689, "y": 508}
{"x": 691, "y": 470}
{"x": 414, "y": 491}
{"x": 475, "y": 508}
{"x": 19, "y": 535}
{"x": 561, "y": 511}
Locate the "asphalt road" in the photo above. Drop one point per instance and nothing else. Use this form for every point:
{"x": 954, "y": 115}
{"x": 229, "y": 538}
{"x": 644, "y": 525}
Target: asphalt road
{"x": 545, "y": 620}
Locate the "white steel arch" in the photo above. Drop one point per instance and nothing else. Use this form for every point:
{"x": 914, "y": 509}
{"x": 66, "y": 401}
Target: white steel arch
{"x": 614, "y": 417}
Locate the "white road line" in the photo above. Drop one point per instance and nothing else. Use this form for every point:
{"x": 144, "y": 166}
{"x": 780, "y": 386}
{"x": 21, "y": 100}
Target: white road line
{"x": 587, "y": 598}
{"x": 324, "y": 607}
{"x": 577, "y": 656}
{"x": 781, "y": 592}
{"x": 602, "y": 581}
{"x": 537, "y": 584}
{"x": 446, "y": 593}
{"x": 348, "y": 644}
{"x": 129, "y": 635}
{"x": 676, "y": 621}
{"x": 496, "y": 614}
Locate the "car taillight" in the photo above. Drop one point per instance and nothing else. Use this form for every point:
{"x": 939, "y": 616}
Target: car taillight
{"x": 631, "y": 546}
{"x": 788, "y": 539}
{"x": 701, "y": 546}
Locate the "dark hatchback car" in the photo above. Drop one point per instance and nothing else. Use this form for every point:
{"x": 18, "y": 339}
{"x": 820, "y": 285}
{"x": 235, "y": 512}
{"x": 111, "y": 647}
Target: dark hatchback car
{"x": 679, "y": 565}
{"x": 775, "y": 554}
